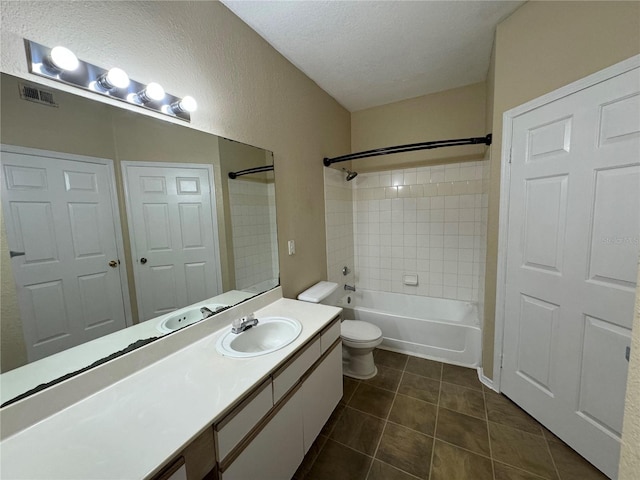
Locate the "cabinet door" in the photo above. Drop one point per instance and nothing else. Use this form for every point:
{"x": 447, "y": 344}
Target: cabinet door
{"x": 321, "y": 392}
{"x": 276, "y": 452}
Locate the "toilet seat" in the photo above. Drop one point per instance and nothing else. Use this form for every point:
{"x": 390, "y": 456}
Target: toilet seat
{"x": 356, "y": 331}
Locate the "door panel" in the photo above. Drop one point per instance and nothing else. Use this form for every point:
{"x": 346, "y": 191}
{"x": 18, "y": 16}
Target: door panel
{"x": 59, "y": 212}
{"x": 544, "y": 228}
{"x": 603, "y": 342}
{"x": 171, "y": 211}
{"x": 610, "y": 254}
{"x": 572, "y": 255}
{"x": 85, "y": 231}
{"x": 538, "y": 325}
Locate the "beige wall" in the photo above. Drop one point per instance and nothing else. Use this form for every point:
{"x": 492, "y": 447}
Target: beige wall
{"x": 539, "y": 48}
{"x": 245, "y": 90}
{"x": 455, "y": 113}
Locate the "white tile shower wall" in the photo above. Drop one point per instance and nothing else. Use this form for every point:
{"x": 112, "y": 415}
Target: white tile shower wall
{"x": 253, "y": 232}
{"x": 339, "y": 226}
{"x": 429, "y": 221}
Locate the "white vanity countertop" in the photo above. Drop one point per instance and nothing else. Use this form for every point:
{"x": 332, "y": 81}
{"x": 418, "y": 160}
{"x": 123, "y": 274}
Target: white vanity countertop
{"x": 129, "y": 429}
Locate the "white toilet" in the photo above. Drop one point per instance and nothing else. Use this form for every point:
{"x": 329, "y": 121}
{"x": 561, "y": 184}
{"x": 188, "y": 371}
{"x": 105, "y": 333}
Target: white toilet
{"x": 358, "y": 338}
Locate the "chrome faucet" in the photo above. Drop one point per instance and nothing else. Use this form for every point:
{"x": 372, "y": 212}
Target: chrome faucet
{"x": 239, "y": 325}
{"x": 350, "y": 288}
{"x": 206, "y": 312}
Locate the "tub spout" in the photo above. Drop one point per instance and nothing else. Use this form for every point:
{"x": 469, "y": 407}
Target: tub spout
{"x": 349, "y": 288}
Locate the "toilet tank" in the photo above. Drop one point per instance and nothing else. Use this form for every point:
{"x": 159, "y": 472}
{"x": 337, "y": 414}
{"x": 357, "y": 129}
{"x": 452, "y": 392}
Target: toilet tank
{"x": 319, "y": 293}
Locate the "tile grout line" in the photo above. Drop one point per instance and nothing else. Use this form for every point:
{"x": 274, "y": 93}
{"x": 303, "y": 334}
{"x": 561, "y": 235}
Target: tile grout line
{"x": 486, "y": 414}
{"x": 386, "y": 420}
{"x": 522, "y": 470}
{"x": 553, "y": 461}
{"x": 435, "y": 428}
{"x": 399, "y": 469}
{"x": 465, "y": 449}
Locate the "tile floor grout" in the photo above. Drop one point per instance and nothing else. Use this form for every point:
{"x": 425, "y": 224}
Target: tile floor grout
{"x": 486, "y": 415}
{"x": 546, "y": 441}
{"x": 435, "y": 428}
{"x": 386, "y": 421}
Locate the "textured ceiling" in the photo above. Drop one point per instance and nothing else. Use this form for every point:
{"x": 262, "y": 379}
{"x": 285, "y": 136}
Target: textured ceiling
{"x": 369, "y": 53}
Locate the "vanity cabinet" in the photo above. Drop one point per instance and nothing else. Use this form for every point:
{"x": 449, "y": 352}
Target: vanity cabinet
{"x": 306, "y": 389}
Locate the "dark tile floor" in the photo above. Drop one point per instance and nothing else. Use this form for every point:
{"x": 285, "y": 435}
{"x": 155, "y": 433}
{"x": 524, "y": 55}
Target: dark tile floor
{"x": 423, "y": 419}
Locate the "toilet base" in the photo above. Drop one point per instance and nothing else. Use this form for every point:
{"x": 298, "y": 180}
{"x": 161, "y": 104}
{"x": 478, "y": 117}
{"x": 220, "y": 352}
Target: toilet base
{"x": 348, "y": 373}
{"x": 358, "y": 363}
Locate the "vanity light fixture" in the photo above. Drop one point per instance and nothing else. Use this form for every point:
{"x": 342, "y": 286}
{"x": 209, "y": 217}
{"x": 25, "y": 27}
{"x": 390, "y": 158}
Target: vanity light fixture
{"x": 61, "y": 65}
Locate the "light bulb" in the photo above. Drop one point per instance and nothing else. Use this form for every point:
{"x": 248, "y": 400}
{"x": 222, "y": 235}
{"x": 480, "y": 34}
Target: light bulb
{"x": 154, "y": 91}
{"x": 114, "y": 78}
{"x": 61, "y": 58}
{"x": 187, "y": 104}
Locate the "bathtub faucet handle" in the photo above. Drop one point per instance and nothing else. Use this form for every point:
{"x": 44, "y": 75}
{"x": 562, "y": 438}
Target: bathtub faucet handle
{"x": 349, "y": 288}
{"x": 345, "y": 271}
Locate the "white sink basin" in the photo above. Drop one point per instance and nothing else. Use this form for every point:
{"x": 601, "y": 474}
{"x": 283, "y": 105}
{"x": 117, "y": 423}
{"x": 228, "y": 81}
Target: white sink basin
{"x": 185, "y": 318}
{"x": 271, "y": 334}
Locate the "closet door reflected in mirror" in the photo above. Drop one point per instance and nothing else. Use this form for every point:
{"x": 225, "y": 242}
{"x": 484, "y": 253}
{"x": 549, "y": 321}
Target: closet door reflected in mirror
{"x": 63, "y": 236}
{"x": 174, "y": 238}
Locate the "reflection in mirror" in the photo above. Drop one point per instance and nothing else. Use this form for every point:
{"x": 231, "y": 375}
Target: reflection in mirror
{"x": 112, "y": 223}
{"x": 252, "y": 209}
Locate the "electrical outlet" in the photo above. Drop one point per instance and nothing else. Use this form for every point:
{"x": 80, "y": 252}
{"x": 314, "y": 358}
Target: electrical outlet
{"x": 292, "y": 247}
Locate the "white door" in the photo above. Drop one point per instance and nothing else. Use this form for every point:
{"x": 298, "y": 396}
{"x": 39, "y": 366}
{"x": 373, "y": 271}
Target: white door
{"x": 174, "y": 241}
{"x": 572, "y": 256}
{"x": 62, "y": 231}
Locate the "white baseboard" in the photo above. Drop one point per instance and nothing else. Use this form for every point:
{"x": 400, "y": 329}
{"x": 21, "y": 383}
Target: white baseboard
{"x": 485, "y": 380}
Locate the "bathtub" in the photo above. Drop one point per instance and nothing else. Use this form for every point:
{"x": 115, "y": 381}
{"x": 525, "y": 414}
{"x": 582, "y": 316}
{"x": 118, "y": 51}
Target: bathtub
{"x": 435, "y": 328}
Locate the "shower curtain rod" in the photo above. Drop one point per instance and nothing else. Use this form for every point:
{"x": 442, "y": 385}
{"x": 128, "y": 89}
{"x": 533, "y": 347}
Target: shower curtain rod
{"x": 409, "y": 148}
{"x": 249, "y": 171}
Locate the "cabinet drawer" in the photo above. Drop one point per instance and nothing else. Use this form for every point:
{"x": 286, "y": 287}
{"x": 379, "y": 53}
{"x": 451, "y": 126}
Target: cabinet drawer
{"x": 329, "y": 335}
{"x": 233, "y": 428}
{"x": 289, "y": 374}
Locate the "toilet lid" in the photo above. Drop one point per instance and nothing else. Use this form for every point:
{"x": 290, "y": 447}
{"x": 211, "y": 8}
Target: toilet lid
{"x": 358, "y": 331}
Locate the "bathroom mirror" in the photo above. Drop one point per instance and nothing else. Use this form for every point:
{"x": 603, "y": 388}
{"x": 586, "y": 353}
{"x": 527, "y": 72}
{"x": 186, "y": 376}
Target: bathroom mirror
{"x": 61, "y": 152}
